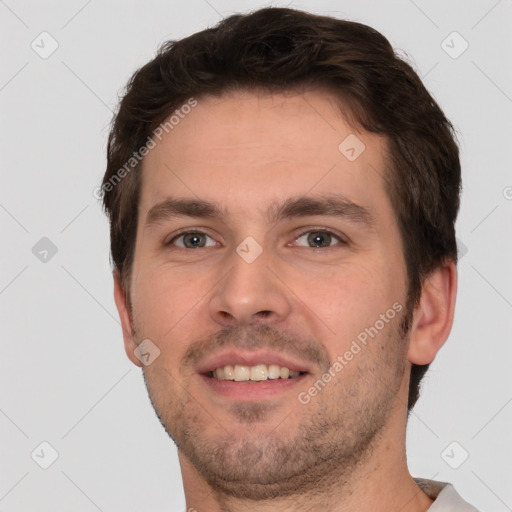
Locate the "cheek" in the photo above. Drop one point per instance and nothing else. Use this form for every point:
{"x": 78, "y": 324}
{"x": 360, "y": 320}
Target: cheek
{"x": 349, "y": 299}
{"x": 166, "y": 303}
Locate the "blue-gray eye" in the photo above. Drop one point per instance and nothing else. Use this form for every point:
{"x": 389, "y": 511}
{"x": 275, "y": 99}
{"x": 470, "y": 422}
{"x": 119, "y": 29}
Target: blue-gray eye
{"x": 319, "y": 239}
{"x": 192, "y": 240}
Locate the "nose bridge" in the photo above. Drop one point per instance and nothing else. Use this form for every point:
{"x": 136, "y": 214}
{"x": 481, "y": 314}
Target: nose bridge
{"x": 250, "y": 289}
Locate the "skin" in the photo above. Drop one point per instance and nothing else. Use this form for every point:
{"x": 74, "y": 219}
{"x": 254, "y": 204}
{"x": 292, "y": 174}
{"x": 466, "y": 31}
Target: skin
{"x": 345, "y": 449}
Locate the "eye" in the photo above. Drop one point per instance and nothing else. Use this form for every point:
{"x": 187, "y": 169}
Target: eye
{"x": 191, "y": 240}
{"x": 319, "y": 238}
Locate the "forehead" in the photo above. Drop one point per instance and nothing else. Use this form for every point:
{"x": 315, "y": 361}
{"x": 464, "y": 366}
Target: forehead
{"x": 243, "y": 148}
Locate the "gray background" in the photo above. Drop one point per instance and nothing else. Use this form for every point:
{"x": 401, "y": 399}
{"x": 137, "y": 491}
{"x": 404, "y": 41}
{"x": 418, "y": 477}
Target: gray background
{"x": 64, "y": 376}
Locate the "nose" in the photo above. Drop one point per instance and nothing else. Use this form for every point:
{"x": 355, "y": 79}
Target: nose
{"x": 250, "y": 293}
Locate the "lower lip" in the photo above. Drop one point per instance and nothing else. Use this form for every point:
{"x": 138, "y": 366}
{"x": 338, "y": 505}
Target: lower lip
{"x": 246, "y": 391}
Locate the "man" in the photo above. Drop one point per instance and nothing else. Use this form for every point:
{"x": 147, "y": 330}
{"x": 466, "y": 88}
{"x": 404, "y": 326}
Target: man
{"x": 282, "y": 192}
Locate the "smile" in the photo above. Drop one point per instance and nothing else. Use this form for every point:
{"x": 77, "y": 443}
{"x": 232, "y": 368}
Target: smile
{"x": 256, "y": 373}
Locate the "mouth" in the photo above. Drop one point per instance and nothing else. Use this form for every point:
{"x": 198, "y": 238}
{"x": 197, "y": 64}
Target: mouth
{"x": 257, "y": 373}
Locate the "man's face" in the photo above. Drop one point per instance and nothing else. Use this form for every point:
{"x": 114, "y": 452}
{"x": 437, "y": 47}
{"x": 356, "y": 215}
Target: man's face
{"x": 289, "y": 276}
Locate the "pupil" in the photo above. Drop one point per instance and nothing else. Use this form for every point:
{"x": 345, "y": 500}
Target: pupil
{"x": 319, "y": 239}
{"x": 194, "y": 239}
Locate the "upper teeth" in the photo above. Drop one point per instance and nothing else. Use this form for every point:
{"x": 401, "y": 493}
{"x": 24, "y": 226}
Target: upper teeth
{"x": 240, "y": 372}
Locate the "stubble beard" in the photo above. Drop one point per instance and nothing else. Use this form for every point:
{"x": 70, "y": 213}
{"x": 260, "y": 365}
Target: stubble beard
{"x": 337, "y": 431}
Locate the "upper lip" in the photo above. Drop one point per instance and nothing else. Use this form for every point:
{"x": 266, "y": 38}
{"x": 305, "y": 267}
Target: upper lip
{"x": 252, "y": 358}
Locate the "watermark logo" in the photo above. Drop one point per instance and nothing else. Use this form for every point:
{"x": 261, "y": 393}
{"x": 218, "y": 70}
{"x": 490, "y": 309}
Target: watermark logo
{"x": 352, "y": 147}
{"x": 44, "y": 250}
{"x": 454, "y": 45}
{"x": 45, "y": 45}
{"x": 455, "y": 455}
{"x": 249, "y": 249}
{"x": 146, "y": 352}
{"x": 44, "y": 455}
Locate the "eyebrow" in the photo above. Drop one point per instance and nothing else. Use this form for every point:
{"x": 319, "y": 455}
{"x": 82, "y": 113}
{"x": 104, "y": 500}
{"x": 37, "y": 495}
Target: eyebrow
{"x": 331, "y": 205}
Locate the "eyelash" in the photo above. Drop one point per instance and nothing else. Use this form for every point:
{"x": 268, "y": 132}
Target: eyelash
{"x": 341, "y": 241}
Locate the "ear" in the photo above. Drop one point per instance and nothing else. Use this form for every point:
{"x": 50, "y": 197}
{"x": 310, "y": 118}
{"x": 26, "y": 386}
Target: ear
{"x": 126, "y": 319}
{"x": 433, "y": 317}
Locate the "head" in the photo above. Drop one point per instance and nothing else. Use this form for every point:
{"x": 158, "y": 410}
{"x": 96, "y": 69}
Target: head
{"x": 250, "y": 116}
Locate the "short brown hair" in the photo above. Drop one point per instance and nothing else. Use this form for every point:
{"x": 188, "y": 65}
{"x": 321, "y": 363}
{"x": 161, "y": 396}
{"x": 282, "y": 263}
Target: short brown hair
{"x": 279, "y": 49}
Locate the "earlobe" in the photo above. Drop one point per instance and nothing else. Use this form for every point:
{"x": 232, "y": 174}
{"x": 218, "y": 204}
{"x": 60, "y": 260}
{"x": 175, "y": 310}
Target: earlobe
{"x": 433, "y": 317}
{"x": 126, "y": 320}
